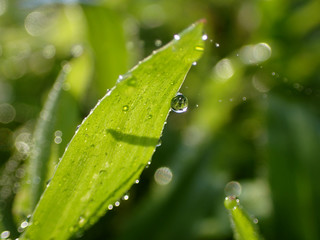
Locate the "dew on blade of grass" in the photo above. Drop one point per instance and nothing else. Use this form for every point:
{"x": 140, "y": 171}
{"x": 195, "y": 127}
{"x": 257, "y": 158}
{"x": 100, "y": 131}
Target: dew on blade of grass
{"x": 233, "y": 189}
{"x": 159, "y": 143}
{"x": 204, "y": 37}
{"x": 5, "y": 234}
{"x": 137, "y": 181}
{"x": 125, "y": 108}
{"x": 110, "y": 207}
{"x": 82, "y": 221}
{"x": 125, "y": 197}
{"x": 194, "y": 63}
{"x": 217, "y": 45}
{"x": 179, "y": 103}
{"x": 176, "y": 37}
{"x": 117, "y": 204}
{"x": 24, "y": 224}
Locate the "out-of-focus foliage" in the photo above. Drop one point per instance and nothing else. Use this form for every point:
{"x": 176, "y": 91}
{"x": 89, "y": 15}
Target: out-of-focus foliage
{"x": 253, "y": 110}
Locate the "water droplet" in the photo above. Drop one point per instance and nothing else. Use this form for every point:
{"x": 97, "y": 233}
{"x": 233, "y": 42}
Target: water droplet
{"x": 117, "y": 204}
{"x": 199, "y": 48}
{"x": 158, "y": 43}
{"x": 125, "y": 108}
{"x": 137, "y": 181}
{"x": 176, "y": 37}
{"x": 82, "y": 221}
{"x": 24, "y": 224}
{"x": 179, "y": 103}
{"x": 163, "y": 176}
{"x": 5, "y": 234}
{"x": 150, "y": 116}
{"x": 125, "y": 197}
{"x": 217, "y": 45}
{"x": 57, "y": 140}
{"x": 110, "y": 207}
{"x": 159, "y": 143}
{"x": 233, "y": 189}
{"x": 194, "y": 63}
{"x": 58, "y": 133}
{"x": 244, "y": 99}
{"x": 204, "y": 37}
{"x": 255, "y": 220}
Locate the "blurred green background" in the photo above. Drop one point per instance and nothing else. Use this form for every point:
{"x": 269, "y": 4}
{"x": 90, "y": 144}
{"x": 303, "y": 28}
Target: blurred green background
{"x": 253, "y": 110}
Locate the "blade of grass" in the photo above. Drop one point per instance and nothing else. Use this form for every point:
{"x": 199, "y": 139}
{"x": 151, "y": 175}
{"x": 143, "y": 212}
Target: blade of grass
{"x": 43, "y": 137}
{"x": 115, "y": 142}
{"x": 108, "y": 45}
{"x": 243, "y": 226}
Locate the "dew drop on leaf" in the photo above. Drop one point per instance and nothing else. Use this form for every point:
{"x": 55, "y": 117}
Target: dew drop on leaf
{"x": 110, "y": 207}
{"x": 179, "y": 103}
{"x": 125, "y": 197}
{"x": 5, "y": 234}
{"x": 233, "y": 189}
{"x": 125, "y": 108}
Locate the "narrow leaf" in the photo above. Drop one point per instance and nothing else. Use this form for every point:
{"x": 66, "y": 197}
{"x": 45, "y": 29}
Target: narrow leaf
{"x": 115, "y": 142}
{"x": 108, "y": 45}
{"x": 43, "y": 137}
{"x": 243, "y": 226}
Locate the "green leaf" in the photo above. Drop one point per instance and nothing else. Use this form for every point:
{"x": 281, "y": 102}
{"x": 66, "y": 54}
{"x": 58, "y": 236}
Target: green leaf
{"x": 43, "y": 137}
{"x": 243, "y": 226}
{"x": 115, "y": 142}
{"x": 108, "y": 45}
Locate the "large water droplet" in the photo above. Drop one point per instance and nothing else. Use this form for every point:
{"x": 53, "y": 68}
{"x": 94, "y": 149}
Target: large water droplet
{"x": 233, "y": 189}
{"x": 179, "y": 103}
